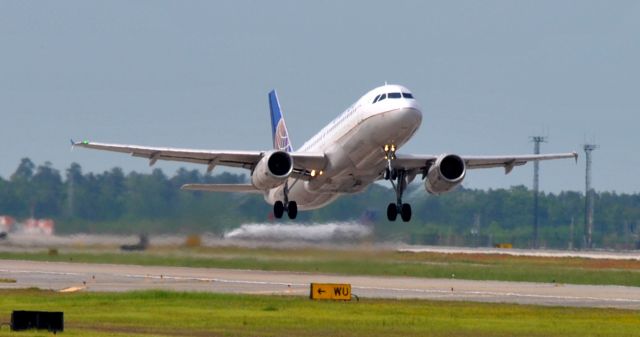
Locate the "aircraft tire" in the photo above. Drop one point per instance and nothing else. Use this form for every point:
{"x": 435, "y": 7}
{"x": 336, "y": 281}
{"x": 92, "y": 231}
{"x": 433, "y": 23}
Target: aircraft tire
{"x": 392, "y": 212}
{"x": 278, "y": 209}
{"x": 405, "y": 212}
{"x": 292, "y": 210}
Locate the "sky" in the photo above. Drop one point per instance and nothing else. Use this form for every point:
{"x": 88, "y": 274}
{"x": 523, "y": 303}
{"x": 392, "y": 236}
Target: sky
{"x": 195, "y": 74}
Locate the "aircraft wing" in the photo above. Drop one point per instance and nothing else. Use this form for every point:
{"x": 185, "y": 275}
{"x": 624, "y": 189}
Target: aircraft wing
{"x": 302, "y": 161}
{"x": 509, "y": 162}
{"x": 423, "y": 162}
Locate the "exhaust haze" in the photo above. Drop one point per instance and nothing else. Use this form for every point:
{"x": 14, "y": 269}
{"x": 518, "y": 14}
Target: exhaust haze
{"x": 333, "y": 231}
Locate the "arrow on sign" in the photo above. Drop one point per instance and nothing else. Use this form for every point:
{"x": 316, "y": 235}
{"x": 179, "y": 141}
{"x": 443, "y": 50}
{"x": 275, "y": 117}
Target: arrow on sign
{"x": 330, "y": 291}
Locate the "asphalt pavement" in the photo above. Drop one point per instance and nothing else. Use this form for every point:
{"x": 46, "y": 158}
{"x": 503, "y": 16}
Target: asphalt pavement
{"x": 62, "y": 276}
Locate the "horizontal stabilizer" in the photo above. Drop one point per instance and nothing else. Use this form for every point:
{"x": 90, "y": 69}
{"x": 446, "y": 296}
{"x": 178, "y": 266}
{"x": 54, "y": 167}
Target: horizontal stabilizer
{"x": 242, "y": 188}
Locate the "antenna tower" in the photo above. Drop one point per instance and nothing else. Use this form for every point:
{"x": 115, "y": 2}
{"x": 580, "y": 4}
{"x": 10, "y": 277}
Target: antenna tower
{"x": 588, "y": 198}
{"x": 536, "y": 186}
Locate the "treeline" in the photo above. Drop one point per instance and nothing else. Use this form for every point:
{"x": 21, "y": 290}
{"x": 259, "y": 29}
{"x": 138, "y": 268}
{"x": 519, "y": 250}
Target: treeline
{"x": 113, "y": 201}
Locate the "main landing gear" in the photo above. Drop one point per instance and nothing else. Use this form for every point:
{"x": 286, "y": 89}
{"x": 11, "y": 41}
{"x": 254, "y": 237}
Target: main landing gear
{"x": 291, "y": 207}
{"x": 398, "y": 179}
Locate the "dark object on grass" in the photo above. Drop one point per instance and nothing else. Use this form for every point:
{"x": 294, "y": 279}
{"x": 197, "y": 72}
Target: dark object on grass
{"x": 142, "y": 244}
{"x": 52, "y": 321}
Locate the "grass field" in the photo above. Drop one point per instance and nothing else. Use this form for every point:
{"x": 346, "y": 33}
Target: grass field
{"x": 157, "y": 313}
{"x": 366, "y": 262}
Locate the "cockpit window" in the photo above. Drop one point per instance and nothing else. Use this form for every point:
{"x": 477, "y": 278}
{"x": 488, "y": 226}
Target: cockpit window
{"x": 407, "y": 95}
{"x": 395, "y": 95}
{"x": 383, "y": 96}
{"x": 376, "y": 99}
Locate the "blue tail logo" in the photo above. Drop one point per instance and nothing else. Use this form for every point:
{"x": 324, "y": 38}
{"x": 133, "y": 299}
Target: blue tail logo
{"x": 279, "y": 131}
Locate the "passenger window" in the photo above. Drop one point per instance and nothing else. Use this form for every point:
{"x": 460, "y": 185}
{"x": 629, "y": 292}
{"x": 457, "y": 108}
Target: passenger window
{"x": 407, "y": 95}
{"x": 376, "y": 99}
{"x": 394, "y": 95}
{"x": 383, "y": 96}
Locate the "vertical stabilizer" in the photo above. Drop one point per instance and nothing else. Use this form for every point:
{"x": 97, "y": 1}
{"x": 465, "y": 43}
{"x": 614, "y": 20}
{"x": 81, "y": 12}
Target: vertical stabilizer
{"x": 278, "y": 127}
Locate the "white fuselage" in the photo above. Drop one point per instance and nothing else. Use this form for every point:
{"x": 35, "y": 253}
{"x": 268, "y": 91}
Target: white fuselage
{"x": 353, "y": 144}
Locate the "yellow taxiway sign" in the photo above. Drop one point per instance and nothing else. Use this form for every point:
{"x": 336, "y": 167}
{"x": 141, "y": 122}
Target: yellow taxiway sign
{"x": 330, "y": 291}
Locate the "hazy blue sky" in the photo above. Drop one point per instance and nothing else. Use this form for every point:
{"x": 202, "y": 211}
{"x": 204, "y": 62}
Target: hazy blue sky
{"x": 489, "y": 74}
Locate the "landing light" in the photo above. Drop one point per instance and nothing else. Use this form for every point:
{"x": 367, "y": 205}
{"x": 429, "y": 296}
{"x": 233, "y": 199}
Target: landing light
{"x": 313, "y": 173}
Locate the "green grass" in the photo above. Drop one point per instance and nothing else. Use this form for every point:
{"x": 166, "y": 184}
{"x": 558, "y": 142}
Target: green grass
{"x": 159, "y": 313}
{"x": 368, "y": 262}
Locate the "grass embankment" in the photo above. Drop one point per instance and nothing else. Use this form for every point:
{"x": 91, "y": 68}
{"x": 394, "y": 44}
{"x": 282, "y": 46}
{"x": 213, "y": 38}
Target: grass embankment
{"x": 368, "y": 262}
{"x": 157, "y": 313}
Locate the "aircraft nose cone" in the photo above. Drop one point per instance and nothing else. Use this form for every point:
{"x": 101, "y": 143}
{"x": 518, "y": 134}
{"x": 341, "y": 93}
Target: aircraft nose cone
{"x": 406, "y": 118}
{"x": 411, "y": 115}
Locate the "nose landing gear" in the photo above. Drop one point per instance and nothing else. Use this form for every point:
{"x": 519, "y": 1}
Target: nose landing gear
{"x": 398, "y": 179}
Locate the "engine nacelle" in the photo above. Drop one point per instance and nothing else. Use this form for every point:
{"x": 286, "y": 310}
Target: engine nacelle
{"x": 446, "y": 173}
{"x": 272, "y": 170}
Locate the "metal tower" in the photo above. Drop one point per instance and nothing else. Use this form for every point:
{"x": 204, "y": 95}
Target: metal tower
{"x": 536, "y": 185}
{"x": 588, "y": 198}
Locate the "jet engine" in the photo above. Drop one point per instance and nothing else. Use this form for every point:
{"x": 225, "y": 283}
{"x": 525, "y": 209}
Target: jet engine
{"x": 446, "y": 173}
{"x": 272, "y": 170}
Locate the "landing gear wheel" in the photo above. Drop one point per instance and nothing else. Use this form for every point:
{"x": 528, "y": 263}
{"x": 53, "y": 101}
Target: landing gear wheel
{"x": 390, "y": 174}
{"x": 405, "y": 212}
{"x": 392, "y": 212}
{"x": 292, "y": 210}
{"x": 278, "y": 209}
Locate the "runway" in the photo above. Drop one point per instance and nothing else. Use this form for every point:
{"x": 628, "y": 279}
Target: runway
{"x": 60, "y": 276}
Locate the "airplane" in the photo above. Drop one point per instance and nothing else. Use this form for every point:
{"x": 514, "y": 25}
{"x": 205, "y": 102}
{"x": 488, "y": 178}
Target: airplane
{"x": 357, "y": 148}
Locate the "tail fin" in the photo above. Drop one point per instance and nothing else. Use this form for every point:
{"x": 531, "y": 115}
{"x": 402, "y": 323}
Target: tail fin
{"x": 278, "y": 127}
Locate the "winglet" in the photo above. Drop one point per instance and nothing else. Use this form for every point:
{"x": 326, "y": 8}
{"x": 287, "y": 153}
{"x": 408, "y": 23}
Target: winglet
{"x": 575, "y": 156}
{"x": 81, "y": 144}
{"x": 278, "y": 127}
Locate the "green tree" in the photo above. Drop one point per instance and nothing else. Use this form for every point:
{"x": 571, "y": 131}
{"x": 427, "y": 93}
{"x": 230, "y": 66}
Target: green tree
{"x": 47, "y": 192}
{"x": 23, "y": 191}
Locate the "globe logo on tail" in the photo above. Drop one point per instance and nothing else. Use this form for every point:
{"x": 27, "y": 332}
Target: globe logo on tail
{"x": 281, "y": 141}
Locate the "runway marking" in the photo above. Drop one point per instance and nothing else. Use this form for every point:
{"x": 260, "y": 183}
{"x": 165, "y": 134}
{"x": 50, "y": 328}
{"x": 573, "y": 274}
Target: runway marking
{"x": 71, "y": 289}
{"x": 279, "y": 292}
{"x": 207, "y": 279}
{"x": 41, "y": 272}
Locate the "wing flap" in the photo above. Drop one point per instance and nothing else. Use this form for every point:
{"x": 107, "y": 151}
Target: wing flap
{"x": 239, "y": 188}
{"x": 303, "y": 161}
{"x": 229, "y": 158}
{"x": 423, "y": 162}
{"x": 509, "y": 162}
{"x": 413, "y": 162}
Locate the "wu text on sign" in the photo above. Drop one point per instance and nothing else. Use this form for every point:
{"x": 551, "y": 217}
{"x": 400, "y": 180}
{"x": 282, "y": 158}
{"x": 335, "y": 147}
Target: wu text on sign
{"x": 330, "y": 291}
